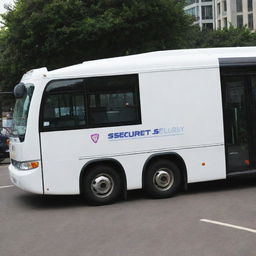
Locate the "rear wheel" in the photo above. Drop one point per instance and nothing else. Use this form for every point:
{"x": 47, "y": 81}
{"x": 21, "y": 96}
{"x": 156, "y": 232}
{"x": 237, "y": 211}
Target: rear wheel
{"x": 101, "y": 185}
{"x": 162, "y": 179}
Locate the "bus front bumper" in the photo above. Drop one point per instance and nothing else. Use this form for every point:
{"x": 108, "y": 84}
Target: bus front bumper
{"x": 29, "y": 180}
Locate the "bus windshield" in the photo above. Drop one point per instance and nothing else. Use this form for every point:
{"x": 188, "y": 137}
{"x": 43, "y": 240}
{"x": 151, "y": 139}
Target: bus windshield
{"x": 20, "y": 114}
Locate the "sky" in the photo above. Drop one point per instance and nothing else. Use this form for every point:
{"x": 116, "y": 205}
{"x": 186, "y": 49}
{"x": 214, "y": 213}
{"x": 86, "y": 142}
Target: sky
{"x": 2, "y": 2}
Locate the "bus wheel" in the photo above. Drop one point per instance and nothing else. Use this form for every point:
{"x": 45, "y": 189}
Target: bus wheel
{"x": 102, "y": 185}
{"x": 162, "y": 179}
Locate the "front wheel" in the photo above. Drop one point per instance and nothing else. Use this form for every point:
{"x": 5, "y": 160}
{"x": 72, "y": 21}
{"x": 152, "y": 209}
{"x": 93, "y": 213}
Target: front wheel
{"x": 102, "y": 185}
{"x": 162, "y": 179}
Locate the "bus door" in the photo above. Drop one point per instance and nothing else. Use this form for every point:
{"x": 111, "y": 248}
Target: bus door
{"x": 239, "y": 113}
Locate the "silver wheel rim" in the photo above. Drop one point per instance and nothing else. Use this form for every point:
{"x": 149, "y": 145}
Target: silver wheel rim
{"x": 102, "y": 185}
{"x": 163, "y": 179}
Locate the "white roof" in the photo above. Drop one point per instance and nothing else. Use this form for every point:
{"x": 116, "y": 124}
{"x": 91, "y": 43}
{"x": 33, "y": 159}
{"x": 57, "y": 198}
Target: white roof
{"x": 148, "y": 62}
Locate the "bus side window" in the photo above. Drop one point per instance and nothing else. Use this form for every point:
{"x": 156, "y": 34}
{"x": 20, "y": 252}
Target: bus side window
{"x": 64, "y": 105}
{"x": 113, "y": 100}
{"x": 91, "y": 102}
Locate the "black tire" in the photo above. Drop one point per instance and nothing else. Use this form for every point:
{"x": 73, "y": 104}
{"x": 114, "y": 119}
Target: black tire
{"x": 162, "y": 179}
{"x": 101, "y": 185}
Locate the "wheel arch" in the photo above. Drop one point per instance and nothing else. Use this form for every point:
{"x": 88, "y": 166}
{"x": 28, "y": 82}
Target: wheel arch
{"x": 171, "y": 156}
{"x": 109, "y": 161}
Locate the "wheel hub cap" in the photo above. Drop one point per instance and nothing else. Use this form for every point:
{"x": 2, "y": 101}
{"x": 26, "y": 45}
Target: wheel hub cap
{"x": 102, "y": 185}
{"x": 163, "y": 180}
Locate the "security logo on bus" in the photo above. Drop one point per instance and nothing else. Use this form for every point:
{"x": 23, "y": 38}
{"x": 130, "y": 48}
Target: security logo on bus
{"x": 150, "y": 133}
{"x": 95, "y": 137}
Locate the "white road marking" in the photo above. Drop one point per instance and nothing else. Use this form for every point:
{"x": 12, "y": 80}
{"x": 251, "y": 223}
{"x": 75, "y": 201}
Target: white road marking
{"x": 229, "y": 225}
{"x": 9, "y": 186}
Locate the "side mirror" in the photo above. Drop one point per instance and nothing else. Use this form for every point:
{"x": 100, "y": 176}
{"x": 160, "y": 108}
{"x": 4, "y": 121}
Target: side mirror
{"x": 19, "y": 90}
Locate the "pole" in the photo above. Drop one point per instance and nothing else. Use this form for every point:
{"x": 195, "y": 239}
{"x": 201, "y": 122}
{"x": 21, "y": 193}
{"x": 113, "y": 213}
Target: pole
{"x": 1, "y": 122}
{"x": 1, "y": 106}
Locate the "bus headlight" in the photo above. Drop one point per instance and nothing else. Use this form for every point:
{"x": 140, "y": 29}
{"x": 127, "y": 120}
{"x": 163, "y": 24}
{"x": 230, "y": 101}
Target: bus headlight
{"x": 24, "y": 166}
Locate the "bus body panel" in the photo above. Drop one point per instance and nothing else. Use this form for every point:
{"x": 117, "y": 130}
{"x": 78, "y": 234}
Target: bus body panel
{"x": 27, "y": 180}
{"x": 181, "y": 113}
{"x": 184, "y": 98}
{"x": 29, "y": 149}
{"x": 203, "y": 164}
{"x": 171, "y": 123}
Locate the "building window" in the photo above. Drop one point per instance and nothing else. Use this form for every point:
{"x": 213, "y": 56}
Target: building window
{"x": 250, "y": 21}
{"x": 208, "y": 26}
{"x": 218, "y": 9}
{"x": 225, "y": 6}
{"x": 188, "y": 2}
{"x": 193, "y": 12}
{"x": 240, "y": 21}
{"x": 250, "y": 7}
{"x": 207, "y": 12}
{"x": 225, "y": 21}
{"x": 239, "y": 5}
{"x": 219, "y": 24}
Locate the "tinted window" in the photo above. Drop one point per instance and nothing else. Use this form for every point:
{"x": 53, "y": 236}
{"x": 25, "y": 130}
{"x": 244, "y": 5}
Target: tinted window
{"x": 65, "y": 86}
{"x": 113, "y": 100}
{"x": 64, "y": 105}
{"x": 91, "y": 102}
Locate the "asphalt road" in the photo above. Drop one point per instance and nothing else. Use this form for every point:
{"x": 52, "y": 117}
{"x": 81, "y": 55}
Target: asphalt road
{"x": 64, "y": 225}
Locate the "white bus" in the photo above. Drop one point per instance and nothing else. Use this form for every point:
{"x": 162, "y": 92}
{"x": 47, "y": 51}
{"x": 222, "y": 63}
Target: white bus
{"x": 155, "y": 121}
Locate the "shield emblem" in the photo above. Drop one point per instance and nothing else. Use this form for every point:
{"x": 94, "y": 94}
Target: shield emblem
{"x": 95, "y": 137}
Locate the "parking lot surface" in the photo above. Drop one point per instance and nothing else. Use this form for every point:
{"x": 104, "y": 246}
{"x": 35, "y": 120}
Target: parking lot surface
{"x": 65, "y": 225}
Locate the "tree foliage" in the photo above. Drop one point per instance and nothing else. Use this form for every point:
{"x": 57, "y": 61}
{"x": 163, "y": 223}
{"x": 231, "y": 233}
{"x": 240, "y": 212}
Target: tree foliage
{"x": 231, "y": 37}
{"x": 56, "y": 33}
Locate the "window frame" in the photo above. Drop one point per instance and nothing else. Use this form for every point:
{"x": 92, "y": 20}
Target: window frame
{"x": 70, "y": 99}
{"x": 250, "y": 21}
{"x": 86, "y": 95}
{"x": 250, "y": 6}
{"x": 240, "y": 21}
{"x": 205, "y": 11}
{"x": 239, "y": 6}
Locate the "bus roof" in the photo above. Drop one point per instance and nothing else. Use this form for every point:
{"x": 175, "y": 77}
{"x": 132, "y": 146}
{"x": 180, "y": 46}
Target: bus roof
{"x": 149, "y": 62}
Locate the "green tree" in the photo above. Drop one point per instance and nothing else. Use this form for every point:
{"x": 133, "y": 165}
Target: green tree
{"x": 56, "y": 33}
{"x": 231, "y": 37}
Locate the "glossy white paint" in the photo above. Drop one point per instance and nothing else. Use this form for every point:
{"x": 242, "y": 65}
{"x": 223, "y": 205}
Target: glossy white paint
{"x": 177, "y": 89}
{"x": 27, "y": 180}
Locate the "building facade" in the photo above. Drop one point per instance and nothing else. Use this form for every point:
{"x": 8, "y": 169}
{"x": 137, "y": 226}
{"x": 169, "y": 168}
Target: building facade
{"x": 220, "y": 14}
{"x": 203, "y": 12}
{"x": 239, "y": 13}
